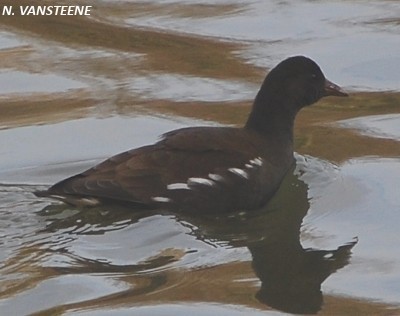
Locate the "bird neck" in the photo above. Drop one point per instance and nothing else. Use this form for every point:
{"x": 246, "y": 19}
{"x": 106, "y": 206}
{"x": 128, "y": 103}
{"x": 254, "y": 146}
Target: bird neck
{"x": 272, "y": 116}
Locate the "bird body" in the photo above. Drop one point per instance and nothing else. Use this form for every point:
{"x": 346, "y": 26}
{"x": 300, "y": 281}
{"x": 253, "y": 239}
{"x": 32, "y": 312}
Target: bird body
{"x": 210, "y": 169}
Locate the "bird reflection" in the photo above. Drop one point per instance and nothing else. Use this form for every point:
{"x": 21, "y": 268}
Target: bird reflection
{"x": 290, "y": 275}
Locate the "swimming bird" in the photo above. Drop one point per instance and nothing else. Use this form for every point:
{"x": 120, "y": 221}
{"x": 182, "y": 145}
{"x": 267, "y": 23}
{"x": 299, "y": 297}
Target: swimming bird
{"x": 210, "y": 169}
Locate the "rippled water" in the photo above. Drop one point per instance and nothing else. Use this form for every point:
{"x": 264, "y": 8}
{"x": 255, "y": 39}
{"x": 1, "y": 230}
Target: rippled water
{"x": 381, "y": 126}
{"x": 87, "y": 88}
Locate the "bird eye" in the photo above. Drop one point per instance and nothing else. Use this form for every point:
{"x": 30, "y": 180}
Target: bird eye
{"x": 314, "y": 76}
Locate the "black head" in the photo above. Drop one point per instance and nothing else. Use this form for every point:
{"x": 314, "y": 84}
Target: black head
{"x": 299, "y": 81}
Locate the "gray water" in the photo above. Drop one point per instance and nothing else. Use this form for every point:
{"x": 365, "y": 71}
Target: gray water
{"x": 134, "y": 70}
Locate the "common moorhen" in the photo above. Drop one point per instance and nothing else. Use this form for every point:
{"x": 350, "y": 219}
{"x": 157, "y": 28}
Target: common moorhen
{"x": 210, "y": 169}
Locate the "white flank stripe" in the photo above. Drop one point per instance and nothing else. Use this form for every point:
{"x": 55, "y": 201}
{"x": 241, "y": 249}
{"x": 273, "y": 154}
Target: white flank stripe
{"x": 239, "y": 172}
{"x": 177, "y": 186}
{"x": 257, "y": 161}
{"x": 89, "y": 201}
{"x": 203, "y": 181}
{"x": 215, "y": 177}
{"x": 162, "y": 199}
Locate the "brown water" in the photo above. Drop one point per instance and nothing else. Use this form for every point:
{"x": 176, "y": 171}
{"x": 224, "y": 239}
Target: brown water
{"x": 75, "y": 90}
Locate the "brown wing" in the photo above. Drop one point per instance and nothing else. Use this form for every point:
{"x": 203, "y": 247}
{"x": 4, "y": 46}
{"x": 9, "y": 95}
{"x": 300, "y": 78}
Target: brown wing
{"x": 144, "y": 173}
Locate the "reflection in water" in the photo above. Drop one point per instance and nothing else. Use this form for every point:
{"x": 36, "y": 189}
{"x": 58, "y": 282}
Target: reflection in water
{"x": 290, "y": 275}
{"x": 380, "y": 126}
{"x": 106, "y": 66}
{"x": 22, "y": 82}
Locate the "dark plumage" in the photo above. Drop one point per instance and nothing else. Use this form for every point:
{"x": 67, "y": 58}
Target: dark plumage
{"x": 210, "y": 169}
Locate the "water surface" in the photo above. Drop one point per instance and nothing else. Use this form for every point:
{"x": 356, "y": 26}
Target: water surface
{"x": 84, "y": 89}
